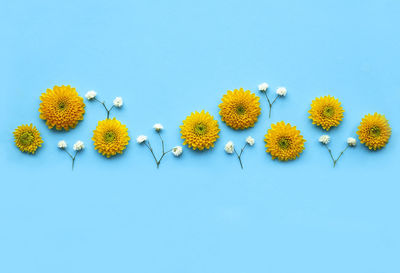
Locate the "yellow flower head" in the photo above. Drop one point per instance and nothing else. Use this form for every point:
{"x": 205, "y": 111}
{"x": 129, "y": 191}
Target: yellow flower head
{"x": 110, "y": 137}
{"x": 27, "y": 138}
{"x": 374, "y": 131}
{"x": 61, "y": 107}
{"x": 326, "y": 112}
{"x": 240, "y": 109}
{"x": 283, "y": 141}
{"x": 199, "y": 130}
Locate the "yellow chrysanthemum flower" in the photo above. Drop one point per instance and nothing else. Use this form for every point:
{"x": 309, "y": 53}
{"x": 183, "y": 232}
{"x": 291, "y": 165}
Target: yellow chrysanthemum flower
{"x": 199, "y": 130}
{"x": 240, "y": 109}
{"x": 326, "y": 112}
{"x": 61, "y": 107}
{"x": 27, "y": 138}
{"x": 374, "y": 131}
{"x": 110, "y": 137}
{"x": 283, "y": 141}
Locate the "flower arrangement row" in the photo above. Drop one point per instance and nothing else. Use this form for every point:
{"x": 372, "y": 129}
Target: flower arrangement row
{"x": 62, "y": 108}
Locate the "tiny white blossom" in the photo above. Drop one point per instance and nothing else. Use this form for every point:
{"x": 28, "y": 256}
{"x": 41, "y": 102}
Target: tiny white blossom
{"x": 281, "y": 91}
{"x": 118, "y": 102}
{"x": 91, "y": 94}
{"x": 324, "y": 139}
{"x": 351, "y": 141}
{"x": 263, "y": 87}
{"x": 177, "y": 151}
{"x": 78, "y": 146}
{"x": 62, "y": 144}
{"x": 229, "y": 147}
{"x": 140, "y": 139}
{"x": 158, "y": 127}
{"x": 250, "y": 140}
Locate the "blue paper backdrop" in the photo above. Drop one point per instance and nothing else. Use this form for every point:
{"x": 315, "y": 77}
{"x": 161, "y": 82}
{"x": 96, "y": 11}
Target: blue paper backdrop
{"x": 199, "y": 213}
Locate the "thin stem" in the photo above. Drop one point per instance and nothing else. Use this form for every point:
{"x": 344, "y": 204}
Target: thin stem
{"x": 162, "y": 141}
{"x": 341, "y": 154}
{"x": 330, "y": 152}
{"x": 270, "y": 103}
{"x": 239, "y": 157}
{"x": 105, "y": 107}
{"x": 151, "y": 150}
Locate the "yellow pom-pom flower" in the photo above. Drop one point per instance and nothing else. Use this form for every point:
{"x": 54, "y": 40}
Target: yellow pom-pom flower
{"x": 326, "y": 112}
{"x": 110, "y": 137}
{"x": 27, "y": 138}
{"x": 374, "y": 131}
{"x": 240, "y": 109}
{"x": 283, "y": 141}
{"x": 61, "y": 107}
{"x": 199, "y": 130}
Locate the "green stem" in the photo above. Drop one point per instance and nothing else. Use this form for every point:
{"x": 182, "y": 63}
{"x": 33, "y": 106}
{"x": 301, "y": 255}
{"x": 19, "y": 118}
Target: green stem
{"x": 105, "y": 107}
{"x": 239, "y": 157}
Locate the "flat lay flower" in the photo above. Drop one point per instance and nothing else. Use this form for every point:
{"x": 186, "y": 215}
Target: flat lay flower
{"x": 27, "y": 138}
{"x": 284, "y": 142}
{"x": 177, "y": 150}
{"x": 78, "y": 146}
{"x": 91, "y": 94}
{"x": 62, "y": 144}
{"x": 351, "y": 141}
{"x": 118, "y": 102}
{"x": 374, "y": 131}
{"x": 326, "y": 112}
{"x": 158, "y": 127}
{"x": 199, "y": 130}
{"x": 110, "y": 137}
{"x": 324, "y": 139}
{"x": 229, "y": 147}
{"x": 250, "y": 140}
{"x": 61, "y": 107}
{"x": 281, "y": 91}
{"x": 140, "y": 139}
{"x": 240, "y": 109}
{"x": 263, "y": 87}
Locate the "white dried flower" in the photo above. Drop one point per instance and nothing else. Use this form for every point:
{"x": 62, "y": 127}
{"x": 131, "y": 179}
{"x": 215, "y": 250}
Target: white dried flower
{"x": 158, "y": 127}
{"x": 140, "y": 139}
{"x": 250, "y": 140}
{"x": 91, "y": 94}
{"x": 281, "y": 91}
{"x": 229, "y": 147}
{"x": 78, "y": 146}
{"x": 351, "y": 141}
{"x": 62, "y": 144}
{"x": 177, "y": 151}
{"x": 324, "y": 139}
{"x": 263, "y": 87}
{"x": 118, "y": 102}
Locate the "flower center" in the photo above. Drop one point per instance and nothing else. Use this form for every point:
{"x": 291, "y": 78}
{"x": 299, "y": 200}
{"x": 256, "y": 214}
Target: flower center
{"x": 328, "y": 111}
{"x": 109, "y": 136}
{"x": 375, "y": 131}
{"x": 200, "y": 129}
{"x": 284, "y": 143}
{"x": 26, "y": 138}
{"x": 62, "y": 105}
{"x": 240, "y": 109}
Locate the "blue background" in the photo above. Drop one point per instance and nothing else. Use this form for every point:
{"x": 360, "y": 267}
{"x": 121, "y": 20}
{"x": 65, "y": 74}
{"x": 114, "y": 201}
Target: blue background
{"x": 201, "y": 212}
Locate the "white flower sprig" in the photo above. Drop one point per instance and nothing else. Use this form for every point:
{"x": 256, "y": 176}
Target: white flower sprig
{"x": 142, "y": 139}
{"x": 325, "y": 139}
{"x": 118, "y": 102}
{"x": 280, "y": 92}
{"x": 230, "y": 148}
{"x": 78, "y": 146}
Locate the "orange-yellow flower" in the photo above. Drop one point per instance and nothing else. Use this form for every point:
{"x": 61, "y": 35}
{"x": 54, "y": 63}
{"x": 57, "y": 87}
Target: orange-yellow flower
{"x": 326, "y": 112}
{"x": 110, "y": 137}
{"x": 374, "y": 131}
{"x": 61, "y": 107}
{"x": 27, "y": 138}
{"x": 199, "y": 130}
{"x": 283, "y": 141}
{"x": 240, "y": 109}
